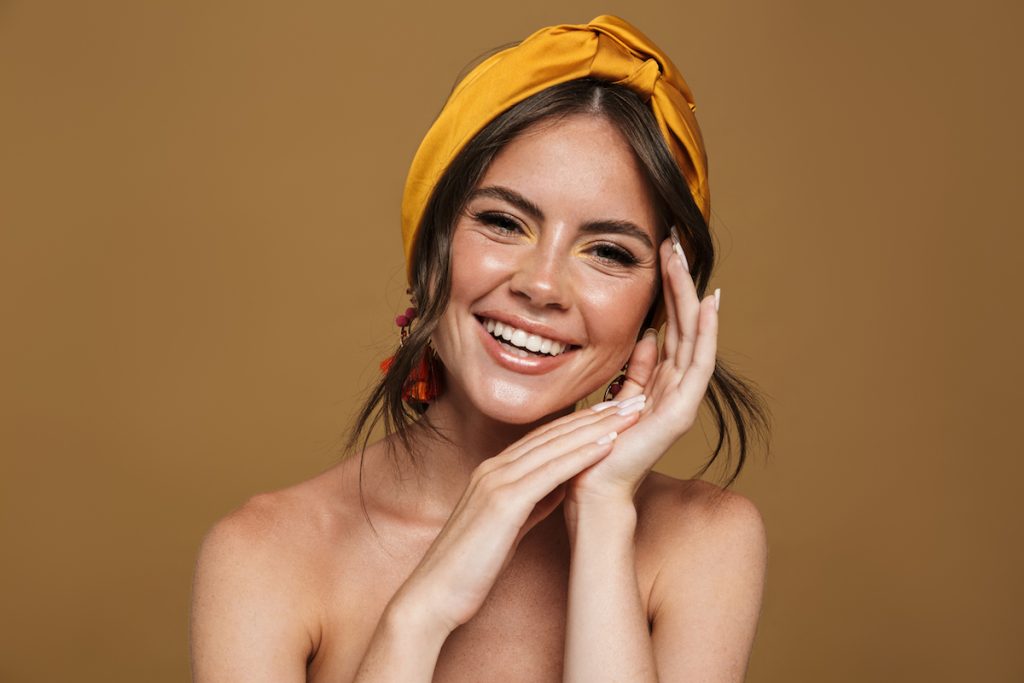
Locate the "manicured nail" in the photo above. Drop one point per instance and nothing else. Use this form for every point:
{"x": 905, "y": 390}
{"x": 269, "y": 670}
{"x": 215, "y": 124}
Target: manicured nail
{"x": 635, "y": 407}
{"x": 604, "y": 405}
{"x": 607, "y": 438}
{"x": 718, "y": 298}
{"x": 650, "y": 331}
{"x": 640, "y": 398}
{"x": 677, "y": 246}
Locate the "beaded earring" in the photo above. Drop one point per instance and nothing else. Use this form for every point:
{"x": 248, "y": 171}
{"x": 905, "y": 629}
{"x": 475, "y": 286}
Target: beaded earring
{"x": 616, "y": 385}
{"x": 423, "y": 383}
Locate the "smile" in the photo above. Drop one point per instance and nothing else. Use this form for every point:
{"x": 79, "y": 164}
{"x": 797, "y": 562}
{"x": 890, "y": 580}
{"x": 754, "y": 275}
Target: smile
{"x": 518, "y": 359}
{"x": 523, "y": 341}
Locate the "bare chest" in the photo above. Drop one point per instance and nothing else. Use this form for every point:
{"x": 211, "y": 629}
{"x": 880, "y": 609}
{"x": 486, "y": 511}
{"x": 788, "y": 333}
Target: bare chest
{"x": 518, "y": 634}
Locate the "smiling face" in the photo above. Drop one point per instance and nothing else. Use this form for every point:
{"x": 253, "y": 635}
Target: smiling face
{"x": 555, "y": 252}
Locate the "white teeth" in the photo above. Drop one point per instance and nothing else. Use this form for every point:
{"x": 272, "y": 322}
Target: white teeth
{"x": 523, "y": 339}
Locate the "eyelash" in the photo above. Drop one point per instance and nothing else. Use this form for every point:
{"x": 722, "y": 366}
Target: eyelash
{"x": 507, "y": 225}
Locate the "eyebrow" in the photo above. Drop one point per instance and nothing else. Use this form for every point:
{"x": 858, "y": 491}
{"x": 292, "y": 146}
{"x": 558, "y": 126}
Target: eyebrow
{"x": 618, "y": 227}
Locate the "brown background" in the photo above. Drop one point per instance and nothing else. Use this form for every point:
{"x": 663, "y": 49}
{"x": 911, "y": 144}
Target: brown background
{"x": 201, "y": 261}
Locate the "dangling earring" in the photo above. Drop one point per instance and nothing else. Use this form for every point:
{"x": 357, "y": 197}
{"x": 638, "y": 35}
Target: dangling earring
{"x": 424, "y": 381}
{"x": 616, "y": 386}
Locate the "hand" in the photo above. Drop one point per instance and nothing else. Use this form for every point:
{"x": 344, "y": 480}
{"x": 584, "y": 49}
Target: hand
{"x": 507, "y": 495}
{"x": 673, "y": 381}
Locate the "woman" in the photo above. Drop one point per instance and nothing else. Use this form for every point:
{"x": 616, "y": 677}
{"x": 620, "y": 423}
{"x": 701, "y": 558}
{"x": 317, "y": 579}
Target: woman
{"x": 555, "y": 211}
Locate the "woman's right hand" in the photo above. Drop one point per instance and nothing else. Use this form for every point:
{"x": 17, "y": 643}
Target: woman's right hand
{"x": 506, "y": 497}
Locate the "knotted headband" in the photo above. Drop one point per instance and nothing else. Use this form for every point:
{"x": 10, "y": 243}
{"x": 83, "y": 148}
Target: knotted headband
{"x": 609, "y": 49}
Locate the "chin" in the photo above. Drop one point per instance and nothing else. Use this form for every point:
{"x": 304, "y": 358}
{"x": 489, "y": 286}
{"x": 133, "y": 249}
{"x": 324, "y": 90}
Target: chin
{"x": 516, "y": 404}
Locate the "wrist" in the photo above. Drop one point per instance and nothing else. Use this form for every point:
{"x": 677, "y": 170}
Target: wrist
{"x": 605, "y": 516}
{"x": 604, "y": 504}
{"x": 404, "y": 646}
{"x": 406, "y": 616}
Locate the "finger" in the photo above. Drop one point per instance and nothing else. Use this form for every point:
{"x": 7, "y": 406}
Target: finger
{"x": 555, "y": 429}
{"x": 686, "y": 306}
{"x": 702, "y": 367}
{"x": 539, "y": 481}
{"x": 546, "y": 432}
{"x": 544, "y": 507}
{"x": 671, "y": 341}
{"x": 640, "y": 366}
{"x": 614, "y": 424}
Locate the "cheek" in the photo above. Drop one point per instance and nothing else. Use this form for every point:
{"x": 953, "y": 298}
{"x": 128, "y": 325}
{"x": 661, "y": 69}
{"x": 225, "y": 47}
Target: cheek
{"x": 476, "y": 264}
{"x": 617, "y": 310}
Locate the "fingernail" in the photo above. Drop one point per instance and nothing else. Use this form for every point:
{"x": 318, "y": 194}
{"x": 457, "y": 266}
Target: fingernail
{"x": 677, "y": 246}
{"x": 604, "y": 405}
{"x": 640, "y": 398}
{"x": 607, "y": 438}
{"x": 718, "y": 297}
{"x": 651, "y": 332}
{"x": 631, "y": 408}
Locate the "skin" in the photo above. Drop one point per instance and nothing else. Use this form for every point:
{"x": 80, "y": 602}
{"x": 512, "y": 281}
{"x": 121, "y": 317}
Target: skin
{"x": 549, "y": 273}
{"x": 518, "y": 451}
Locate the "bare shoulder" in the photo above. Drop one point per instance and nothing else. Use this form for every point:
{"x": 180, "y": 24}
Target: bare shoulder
{"x": 255, "y": 595}
{"x": 695, "y": 506}
{"x": 694, "y": 527}
{"x": 711, "y": 553}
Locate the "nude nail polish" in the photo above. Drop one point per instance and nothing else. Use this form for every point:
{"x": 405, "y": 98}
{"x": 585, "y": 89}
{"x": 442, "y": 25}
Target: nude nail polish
{"x": 677, "y": 246}
{"x": 718, "y": 297}
{"x": 639, "y": 398}
{"x": 634, "y": 407}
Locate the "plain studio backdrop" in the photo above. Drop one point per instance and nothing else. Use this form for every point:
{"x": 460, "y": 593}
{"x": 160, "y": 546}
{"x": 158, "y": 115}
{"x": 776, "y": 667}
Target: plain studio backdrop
{"x": 201, "y": 263}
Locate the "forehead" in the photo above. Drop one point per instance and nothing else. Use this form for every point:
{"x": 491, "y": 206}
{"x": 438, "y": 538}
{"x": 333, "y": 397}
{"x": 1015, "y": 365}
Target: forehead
{"x": 577, "y": 167}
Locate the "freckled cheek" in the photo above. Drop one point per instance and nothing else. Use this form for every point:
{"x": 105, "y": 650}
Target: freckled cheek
{"x": 616, "y": 313}
{"x": 476, "y": 269}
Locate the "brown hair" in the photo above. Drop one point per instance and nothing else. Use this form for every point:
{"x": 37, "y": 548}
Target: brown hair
{"x": 737, "y": 408}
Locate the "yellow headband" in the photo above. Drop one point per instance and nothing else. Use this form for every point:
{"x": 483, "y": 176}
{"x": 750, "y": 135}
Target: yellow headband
{"x": 608, "y": 48}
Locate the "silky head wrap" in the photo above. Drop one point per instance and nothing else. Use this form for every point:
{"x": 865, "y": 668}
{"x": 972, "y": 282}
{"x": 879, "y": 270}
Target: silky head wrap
{"x": 609, "y": 49}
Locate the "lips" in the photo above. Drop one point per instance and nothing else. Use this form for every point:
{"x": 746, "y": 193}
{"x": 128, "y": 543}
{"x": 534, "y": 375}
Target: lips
{"x": 523, "y": 340}
{"x": 512, "y": 358}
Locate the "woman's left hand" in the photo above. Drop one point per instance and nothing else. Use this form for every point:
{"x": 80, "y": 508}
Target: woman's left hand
{"x": 673, "y": 381}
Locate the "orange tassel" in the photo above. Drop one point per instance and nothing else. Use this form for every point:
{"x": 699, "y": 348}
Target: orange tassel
{"x": 423, "y": 383}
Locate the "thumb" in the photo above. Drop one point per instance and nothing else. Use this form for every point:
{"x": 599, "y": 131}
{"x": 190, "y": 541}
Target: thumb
{"x": 544, "y": 507}
{"x": 640, "y": 365}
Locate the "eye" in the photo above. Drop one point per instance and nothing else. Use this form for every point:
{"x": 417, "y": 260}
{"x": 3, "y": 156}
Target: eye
{"x": 613, "y": 253}
{"x": 501, "y": 222}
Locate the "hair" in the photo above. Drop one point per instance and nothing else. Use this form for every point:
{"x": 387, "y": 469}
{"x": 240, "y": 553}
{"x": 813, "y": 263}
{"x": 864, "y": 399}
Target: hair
{"x": 739, "y": 413}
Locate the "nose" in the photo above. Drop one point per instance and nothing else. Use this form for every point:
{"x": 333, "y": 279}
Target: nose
{"x": 540, "y": 276}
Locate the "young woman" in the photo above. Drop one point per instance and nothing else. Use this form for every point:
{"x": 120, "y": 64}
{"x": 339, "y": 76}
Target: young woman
{"x": 555, "y": 215}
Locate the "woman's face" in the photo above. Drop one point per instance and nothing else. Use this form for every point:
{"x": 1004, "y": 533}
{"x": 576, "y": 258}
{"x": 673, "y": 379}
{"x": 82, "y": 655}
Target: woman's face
{"x": 558, "y": 246}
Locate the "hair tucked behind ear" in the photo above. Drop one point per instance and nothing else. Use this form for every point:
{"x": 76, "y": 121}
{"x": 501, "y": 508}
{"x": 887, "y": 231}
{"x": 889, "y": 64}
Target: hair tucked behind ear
{"x": 740, "y": 414}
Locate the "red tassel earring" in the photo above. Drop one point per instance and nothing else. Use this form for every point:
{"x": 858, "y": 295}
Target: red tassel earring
{"x": 424, "y": 381}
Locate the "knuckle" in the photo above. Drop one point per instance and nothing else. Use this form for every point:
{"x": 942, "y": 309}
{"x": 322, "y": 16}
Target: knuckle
{"x": 483, "y": 469}
{"x": 487, "y": 478}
